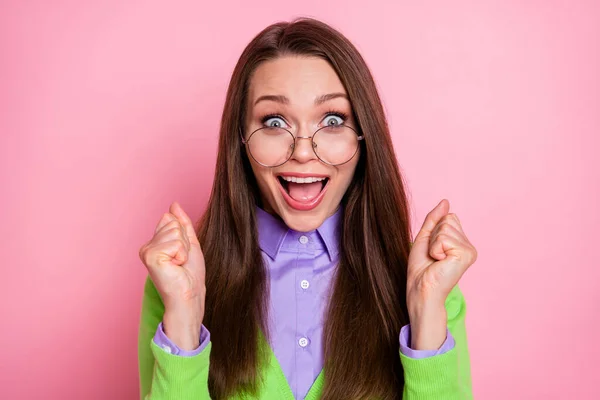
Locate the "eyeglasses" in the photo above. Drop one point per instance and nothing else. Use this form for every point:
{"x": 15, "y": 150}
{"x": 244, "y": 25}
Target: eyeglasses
{"x": 272, "y": 146}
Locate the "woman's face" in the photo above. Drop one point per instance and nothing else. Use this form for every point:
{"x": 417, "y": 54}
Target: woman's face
{"x": 294, "y": 86}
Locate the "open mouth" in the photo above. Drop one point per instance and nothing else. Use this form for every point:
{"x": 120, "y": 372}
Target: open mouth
{"x": 303, "y": 187}
{"x": 303, "y": 193}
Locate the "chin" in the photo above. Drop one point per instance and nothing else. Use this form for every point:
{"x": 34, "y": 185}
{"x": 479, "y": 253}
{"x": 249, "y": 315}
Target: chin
{"x": 303, "y": 221}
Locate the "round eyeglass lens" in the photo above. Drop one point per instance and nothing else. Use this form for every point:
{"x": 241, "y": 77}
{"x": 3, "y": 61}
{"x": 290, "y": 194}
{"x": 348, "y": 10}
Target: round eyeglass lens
{"x": 335, "y": 144}
{"x": 271, "y": 146}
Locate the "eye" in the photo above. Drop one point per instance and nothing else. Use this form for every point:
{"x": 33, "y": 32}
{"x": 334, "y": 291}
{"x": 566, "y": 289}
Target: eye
{"x": 273, "y": 121}
{"x": 334, "y": 119}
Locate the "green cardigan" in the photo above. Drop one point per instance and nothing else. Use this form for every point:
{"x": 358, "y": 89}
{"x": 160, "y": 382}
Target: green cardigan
{"x": 165, "y": 376}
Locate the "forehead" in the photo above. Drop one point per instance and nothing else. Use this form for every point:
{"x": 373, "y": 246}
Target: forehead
{"x": 301, "y": 79}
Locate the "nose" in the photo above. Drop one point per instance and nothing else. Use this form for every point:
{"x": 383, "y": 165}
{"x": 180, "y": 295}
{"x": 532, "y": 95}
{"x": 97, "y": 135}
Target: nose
{"x": 303, "y": 150}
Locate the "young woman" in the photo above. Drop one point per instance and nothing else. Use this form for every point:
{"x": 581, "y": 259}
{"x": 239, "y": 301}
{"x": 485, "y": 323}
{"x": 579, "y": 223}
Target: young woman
{"x": 301, "y": 280}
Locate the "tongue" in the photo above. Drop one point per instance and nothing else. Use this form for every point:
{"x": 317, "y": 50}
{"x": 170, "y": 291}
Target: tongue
{"x": 304, "y": 192}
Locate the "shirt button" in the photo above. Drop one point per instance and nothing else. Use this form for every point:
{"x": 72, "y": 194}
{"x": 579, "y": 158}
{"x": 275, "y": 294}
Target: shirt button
{"x": 303, "y": 342}
{"x": 303, "y": 239}
{"x": 166, "y": 348}
{"x": 304, "y": 284}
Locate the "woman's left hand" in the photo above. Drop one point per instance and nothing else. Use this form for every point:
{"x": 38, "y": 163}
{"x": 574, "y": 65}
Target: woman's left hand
{"x": 439, "y": 256}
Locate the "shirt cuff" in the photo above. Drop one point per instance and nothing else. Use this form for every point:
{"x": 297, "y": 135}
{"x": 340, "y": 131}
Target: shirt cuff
{"x": 161, "y": 339}
{"x": 407, "y": 351}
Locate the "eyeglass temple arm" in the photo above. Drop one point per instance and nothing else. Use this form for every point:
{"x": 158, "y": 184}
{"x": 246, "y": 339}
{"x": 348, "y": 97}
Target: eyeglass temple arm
{"x": 244, "y": 141}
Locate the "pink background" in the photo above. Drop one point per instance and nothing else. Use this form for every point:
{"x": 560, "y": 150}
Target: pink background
{"x": 110, "y": 111}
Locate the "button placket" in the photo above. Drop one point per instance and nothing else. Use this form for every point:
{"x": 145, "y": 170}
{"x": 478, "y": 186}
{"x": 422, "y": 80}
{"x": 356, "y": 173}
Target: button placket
{"x": 305, "y": 302}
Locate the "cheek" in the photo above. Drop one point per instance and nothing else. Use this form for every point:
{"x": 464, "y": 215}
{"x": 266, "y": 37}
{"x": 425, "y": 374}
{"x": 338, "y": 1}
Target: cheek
{"x": 346, "y": 173}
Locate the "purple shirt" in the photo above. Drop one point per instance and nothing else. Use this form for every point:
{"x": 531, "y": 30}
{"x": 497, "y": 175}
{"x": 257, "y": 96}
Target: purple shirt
{"x": 301, "y": 266}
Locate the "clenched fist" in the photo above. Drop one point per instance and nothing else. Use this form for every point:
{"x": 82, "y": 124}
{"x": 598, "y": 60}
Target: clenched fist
{"x": 440, "y": 255}
{"x": 175, "y": 263}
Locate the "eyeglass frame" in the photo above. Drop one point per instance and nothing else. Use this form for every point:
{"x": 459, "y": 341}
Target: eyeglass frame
{"x": 313, "y": 144}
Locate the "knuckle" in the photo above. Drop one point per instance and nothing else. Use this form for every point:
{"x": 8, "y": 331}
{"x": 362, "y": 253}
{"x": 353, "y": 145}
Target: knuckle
{"x": 170, "y": 215}
{"x": 145, "y": 256}
{"x": 442, "y": 236}
{"x": 172, "y": 233}
{"x": 172, "y": 224}
{"x": 449, "y": 218}
{"x": 445, "y": 229}
{"x": 164, "y": 218}
{"x": 474, "y": 254}
{"x": 173, "y": 230}
{"x": 142, "y": 252}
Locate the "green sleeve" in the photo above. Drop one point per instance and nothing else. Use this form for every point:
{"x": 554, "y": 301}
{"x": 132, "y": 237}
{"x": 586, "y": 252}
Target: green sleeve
{"x": 165, "y": 376}
{"x": 445, "y": 376}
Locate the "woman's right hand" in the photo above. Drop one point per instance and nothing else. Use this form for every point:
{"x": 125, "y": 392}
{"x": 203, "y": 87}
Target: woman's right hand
{"x": 175, "y": 263}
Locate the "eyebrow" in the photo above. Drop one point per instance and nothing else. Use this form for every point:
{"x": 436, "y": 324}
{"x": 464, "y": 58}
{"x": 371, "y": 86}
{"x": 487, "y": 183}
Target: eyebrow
{"x": 318, "y": 101}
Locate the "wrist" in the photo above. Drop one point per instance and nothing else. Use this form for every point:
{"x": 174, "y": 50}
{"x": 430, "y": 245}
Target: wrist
{"x": 182, "y": 326}
{"x": 428, "y": 326}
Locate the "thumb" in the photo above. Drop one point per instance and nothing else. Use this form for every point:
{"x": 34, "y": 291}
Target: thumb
{"x": 432, "y": 219}
{"x": 185, "y": 221}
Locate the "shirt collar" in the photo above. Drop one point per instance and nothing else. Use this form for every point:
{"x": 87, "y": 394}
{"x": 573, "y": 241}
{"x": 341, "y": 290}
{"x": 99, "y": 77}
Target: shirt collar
{"x": 272, "y": 232}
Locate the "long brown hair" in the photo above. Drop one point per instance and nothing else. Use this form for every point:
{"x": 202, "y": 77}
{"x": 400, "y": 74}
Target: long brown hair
{"x": 368, "y": 304}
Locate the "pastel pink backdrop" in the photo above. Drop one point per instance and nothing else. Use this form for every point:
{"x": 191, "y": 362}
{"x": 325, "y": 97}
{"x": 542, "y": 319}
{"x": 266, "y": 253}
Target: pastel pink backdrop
{"x": 110, "y": 111}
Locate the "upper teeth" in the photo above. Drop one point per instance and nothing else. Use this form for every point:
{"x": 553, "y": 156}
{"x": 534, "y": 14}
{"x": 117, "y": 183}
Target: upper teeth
{"x": 301, "y": 180}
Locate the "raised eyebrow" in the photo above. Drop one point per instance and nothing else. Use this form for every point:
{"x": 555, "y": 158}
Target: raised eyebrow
{"x": 326, "y": 97}
{"x": 273, "y": 97}
{"x": 284, "y": 100}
